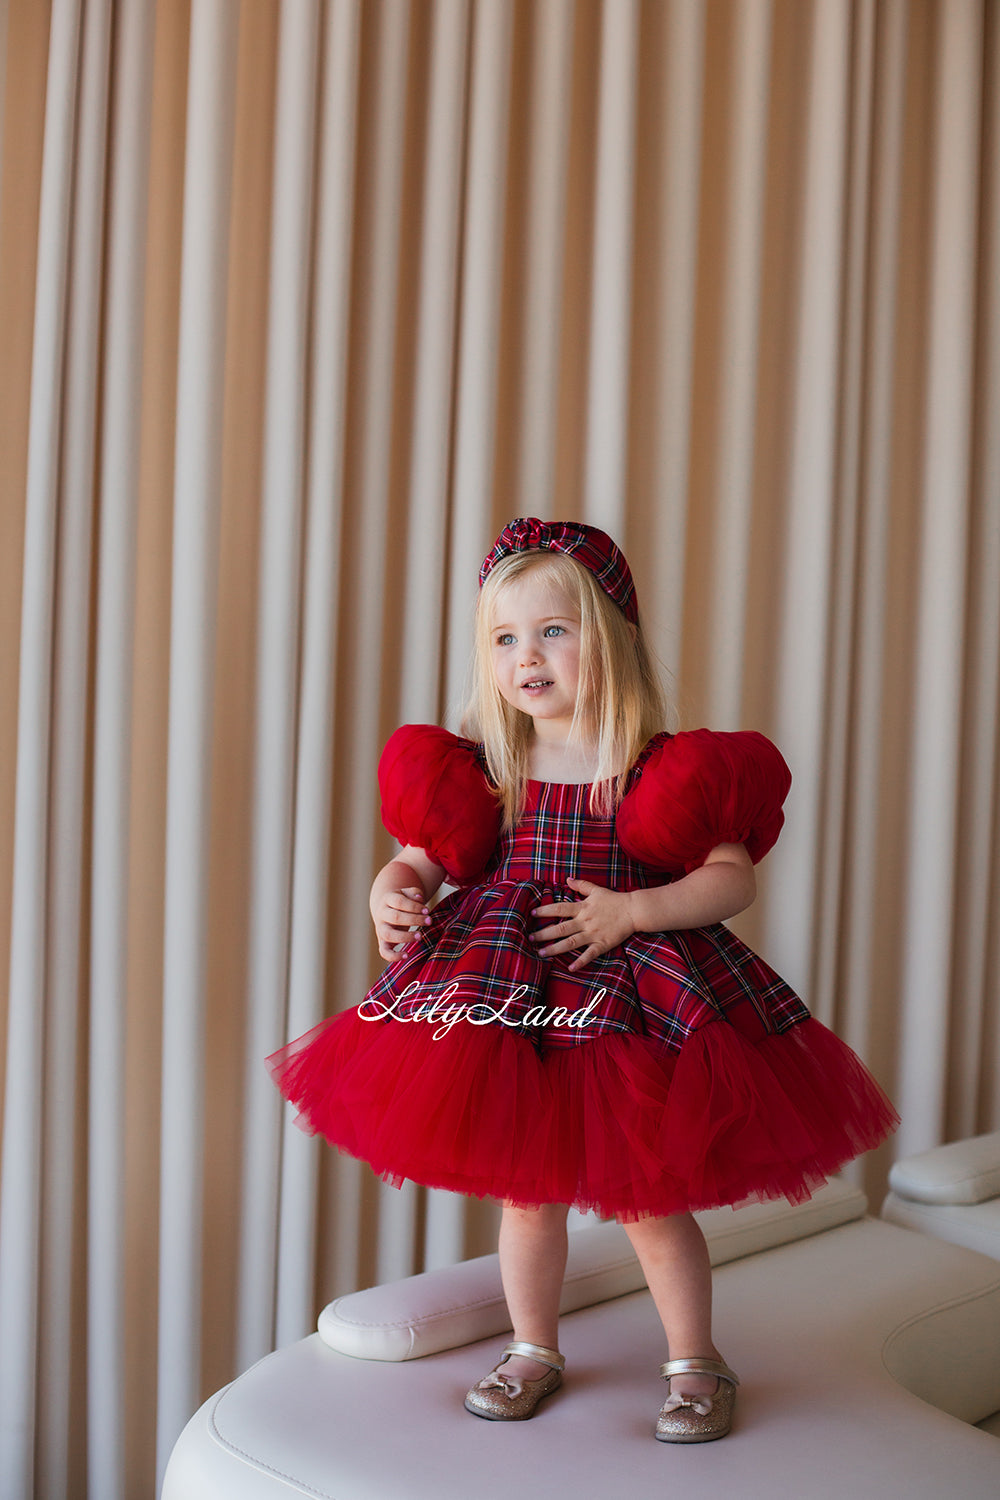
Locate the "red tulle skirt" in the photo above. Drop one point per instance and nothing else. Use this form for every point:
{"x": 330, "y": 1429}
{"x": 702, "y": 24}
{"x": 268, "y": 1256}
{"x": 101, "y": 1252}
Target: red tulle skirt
{"x": 617, "y": 1124}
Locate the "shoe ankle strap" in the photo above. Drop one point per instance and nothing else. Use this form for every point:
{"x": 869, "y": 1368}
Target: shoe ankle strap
{"x": 550, "y": 1357}
{"x": 699, "y": 1367}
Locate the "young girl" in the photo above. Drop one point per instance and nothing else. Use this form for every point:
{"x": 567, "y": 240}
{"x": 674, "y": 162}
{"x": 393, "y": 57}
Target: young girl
{"x": 573, "y": 1024}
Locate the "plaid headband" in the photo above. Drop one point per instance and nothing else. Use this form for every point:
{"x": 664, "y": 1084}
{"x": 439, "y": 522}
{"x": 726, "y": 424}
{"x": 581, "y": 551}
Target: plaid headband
{"x": 592, "y": 548}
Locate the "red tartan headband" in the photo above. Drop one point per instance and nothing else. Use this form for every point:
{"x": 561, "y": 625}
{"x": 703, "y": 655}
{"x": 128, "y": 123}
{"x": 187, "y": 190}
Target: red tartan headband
{"x": 592, "y": 548}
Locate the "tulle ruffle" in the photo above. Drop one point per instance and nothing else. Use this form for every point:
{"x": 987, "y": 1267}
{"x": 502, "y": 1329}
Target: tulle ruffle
{"x": 618, "y": 1125}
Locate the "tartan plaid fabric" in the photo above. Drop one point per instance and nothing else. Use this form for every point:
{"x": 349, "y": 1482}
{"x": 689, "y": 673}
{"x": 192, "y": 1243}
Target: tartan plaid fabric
{"x": 475, "y": 964}
{"x": 591, "y": 547}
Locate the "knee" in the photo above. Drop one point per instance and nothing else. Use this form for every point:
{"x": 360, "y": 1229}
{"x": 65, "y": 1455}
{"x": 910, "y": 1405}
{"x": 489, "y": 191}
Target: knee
{"x": 545, "y": 1218}
{"x": 672, "y": 1228}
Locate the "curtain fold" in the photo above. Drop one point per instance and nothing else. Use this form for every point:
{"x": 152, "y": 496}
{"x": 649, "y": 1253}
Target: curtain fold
{"x": 973, "y": 1029}
{"x": 108, "y": 1253}
{"x": 941, "y": 622}
{"x": 193, "y": 624}
{"x": 300, "y": 302}
{"x": 541, "y": 177}
{"x": 279, "y": 596}
{"x": 31, "y": 937}
{"x": 606, "y": 425}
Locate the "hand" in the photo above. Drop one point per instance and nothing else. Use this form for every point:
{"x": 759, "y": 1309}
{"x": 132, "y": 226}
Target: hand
{"x": 397, "y": 915}
{"x": 599, "y": 922}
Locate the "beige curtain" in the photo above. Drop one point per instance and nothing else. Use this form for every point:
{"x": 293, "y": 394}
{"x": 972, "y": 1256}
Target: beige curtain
{"x": 299, "y": 302}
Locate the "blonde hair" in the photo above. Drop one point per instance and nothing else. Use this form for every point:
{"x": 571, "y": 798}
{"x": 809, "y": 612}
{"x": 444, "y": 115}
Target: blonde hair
{"x": 619, "y": 701}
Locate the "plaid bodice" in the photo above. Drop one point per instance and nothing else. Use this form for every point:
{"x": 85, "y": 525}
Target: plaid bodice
{"x": 558, "y": 837}
{"x": 476, "y": 965}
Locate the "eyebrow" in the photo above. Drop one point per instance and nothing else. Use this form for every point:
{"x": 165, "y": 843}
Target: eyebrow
{"x": 548, "y": 620}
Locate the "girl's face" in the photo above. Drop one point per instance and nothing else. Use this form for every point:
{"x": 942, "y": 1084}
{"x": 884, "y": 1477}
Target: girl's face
{"x": 535, "y": 645}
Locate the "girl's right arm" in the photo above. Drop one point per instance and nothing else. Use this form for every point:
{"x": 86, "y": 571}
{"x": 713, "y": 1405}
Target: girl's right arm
{"x": 399, "y": 896}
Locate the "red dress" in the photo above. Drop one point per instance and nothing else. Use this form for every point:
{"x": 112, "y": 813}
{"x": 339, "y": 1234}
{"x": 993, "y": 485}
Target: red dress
{"x": 676, "y": 1072}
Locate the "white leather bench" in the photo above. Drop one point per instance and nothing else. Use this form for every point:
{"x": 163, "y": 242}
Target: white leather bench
{"x": 866, "y": 1351}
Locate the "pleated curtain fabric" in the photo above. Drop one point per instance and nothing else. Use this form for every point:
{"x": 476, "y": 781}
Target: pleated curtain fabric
{"x": 299, "y": 303}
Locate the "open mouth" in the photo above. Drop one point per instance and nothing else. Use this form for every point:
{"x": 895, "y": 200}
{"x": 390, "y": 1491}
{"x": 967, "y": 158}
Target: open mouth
{"x": 536, "y": 685}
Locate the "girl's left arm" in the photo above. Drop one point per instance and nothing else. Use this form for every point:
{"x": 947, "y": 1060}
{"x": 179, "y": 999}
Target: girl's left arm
{"x": 722, "y": 887}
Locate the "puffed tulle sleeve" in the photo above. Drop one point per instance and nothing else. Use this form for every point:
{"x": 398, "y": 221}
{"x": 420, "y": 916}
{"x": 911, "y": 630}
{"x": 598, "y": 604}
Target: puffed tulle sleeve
{"x": 699, "y": 789}
{"x": 436, "y": 797}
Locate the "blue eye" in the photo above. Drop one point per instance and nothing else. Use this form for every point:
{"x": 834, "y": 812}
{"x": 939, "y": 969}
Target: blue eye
{"x": 505, "y": 639}
{"x": 554, "y": 630}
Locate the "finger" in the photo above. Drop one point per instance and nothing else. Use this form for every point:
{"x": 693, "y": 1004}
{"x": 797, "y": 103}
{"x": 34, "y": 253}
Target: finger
{"x": 567, "y": 929}
{"x": 581, "y": 885}
{"x": 392, "y": 947}
{"x": 547, "y": 934}
{"x": 395, "y": 930}
{"x": 583, "y": 959}
{"x": 571, "y": 942}
{"x": 400, "y": 902}
{"x": 555, "y": 909}
{"x": 410, "y": 921}
{"x": 397, "y": 922}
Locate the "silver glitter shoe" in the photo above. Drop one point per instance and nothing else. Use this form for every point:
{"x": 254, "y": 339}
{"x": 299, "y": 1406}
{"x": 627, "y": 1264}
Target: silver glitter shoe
{"x": 502, "y": 1398}
{"x": 697, "y": 1419}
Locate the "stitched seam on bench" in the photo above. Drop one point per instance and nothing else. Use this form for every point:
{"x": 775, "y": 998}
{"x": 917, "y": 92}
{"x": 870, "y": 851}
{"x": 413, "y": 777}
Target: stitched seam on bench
{"x": 258, "y": 1463}
{"x": 970, "y": 1176}
{"x": 933, "y": 1211}
{"x": 930, "y": 1312}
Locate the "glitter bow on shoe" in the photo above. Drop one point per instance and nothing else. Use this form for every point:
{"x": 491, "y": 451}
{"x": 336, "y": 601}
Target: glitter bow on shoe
{"x": 697, "y": 1419}
{"x": 505, "y": 1398}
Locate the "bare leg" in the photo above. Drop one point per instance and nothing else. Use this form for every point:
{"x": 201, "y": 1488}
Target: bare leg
{"x": 533, "y": 1247}
{"x": 675, "y": 1262}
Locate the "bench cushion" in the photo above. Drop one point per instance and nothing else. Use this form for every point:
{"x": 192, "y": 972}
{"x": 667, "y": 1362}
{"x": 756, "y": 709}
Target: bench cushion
{"x": 806, "y": 1325}
{"x": 952, "y": 1192}
{"x": 963, "y": 1172}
